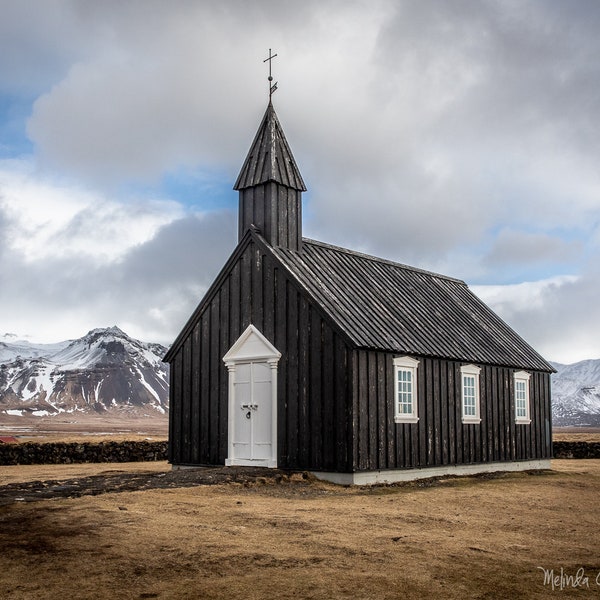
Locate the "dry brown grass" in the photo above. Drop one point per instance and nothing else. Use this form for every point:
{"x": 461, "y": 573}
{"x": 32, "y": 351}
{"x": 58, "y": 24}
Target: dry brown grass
{"x": 475, "y": 537}
{"x": 85, "y": 428}
{"x": 22, "y": 473}
{"x": 574, "y": 434}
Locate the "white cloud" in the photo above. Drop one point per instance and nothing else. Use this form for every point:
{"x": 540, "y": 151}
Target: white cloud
{"x": 460, "y": 137}
{"x": 559, "y": 316}
{"x": 44, "y": 220}
{"x": 164, "y": 92}
{"x": 511, "y": 298}
{"x": 72, "y": 260}
{"x": 150, "y": 292}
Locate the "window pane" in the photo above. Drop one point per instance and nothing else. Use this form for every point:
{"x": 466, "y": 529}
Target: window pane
{"x": 404, "y": 392}
{"x": 469, "y": 396}
{"x": 521, "y": 398}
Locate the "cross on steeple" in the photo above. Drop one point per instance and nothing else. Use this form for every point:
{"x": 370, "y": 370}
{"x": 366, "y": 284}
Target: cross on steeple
{"x": 272, "y": 87}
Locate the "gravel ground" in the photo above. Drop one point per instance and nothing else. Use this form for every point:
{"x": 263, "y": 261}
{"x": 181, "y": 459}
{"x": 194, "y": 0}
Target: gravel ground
{"x": 123, "y": 481}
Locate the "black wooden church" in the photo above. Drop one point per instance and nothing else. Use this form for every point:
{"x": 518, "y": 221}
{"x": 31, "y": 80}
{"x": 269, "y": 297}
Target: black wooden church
{"x": 304, "y": 355}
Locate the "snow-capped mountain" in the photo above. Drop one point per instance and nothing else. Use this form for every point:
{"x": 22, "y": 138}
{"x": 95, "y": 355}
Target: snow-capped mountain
{"x": 11, "y": 347}
{"x": 576, "y": 394}
{"x": 105, "y": 370}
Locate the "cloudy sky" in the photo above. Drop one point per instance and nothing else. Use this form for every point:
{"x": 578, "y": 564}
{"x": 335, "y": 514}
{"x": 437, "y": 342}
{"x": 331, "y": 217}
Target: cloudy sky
{"x": 460, "y": 136}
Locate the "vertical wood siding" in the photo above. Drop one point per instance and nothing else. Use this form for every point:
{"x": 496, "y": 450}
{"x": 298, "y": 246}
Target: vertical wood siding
{"x": 440, "y": 438}
{"x": 336, "y": 404}
{"x": 275, "y": 210}
{"x": 314, "y": 396}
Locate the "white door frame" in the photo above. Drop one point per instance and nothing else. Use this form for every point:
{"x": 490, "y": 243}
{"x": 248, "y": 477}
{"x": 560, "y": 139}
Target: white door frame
{"x": 251, "y": 347}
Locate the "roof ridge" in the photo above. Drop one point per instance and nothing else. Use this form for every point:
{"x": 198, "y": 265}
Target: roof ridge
{"x": 381, "y": 260}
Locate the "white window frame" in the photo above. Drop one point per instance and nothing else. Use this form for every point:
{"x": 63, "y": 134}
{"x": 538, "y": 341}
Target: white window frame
{"x": 408, "y": 366}
{"x": 470, "y": 372}
{"x": 522, "y": 377}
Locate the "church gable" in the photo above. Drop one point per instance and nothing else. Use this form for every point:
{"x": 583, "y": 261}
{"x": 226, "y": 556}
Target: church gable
{"x": 252, "y": 344}
{"x": 254, "y": 288}
{"x": 255, "y": 307}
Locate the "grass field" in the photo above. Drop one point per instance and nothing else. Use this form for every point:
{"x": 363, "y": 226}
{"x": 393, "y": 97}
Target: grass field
{"x": 472, "y": 537}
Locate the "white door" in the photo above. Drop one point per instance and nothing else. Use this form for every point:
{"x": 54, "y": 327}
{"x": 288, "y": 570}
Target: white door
{"x": 252, "y": 426}
{"x": 252, "y": 421}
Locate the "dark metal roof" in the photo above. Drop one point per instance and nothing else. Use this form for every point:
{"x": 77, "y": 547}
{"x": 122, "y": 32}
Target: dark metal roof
{"x": 389, "y": 306}
{"x": 270, "y": 158}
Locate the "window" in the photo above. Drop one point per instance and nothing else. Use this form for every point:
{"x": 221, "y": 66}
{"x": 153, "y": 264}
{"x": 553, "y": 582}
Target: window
{"x": 405, "y": 381}
{"x": 470, "y": 393}
{"x": 522, "y": 398}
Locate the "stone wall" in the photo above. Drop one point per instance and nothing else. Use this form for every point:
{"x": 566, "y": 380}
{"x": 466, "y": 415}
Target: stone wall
{"x": 31, "y": 453}
{"x": 576, "y": 449}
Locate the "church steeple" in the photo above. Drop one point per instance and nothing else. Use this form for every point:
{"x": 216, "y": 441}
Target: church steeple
{"x": 270, "y": 187}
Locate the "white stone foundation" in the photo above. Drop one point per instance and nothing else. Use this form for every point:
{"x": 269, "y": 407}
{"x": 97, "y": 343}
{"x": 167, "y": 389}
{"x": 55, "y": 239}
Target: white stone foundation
{"x": 393, "y": 476}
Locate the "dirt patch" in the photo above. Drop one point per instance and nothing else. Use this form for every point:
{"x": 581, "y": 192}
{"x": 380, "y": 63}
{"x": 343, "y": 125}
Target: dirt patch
{"x": 115, "y": 480}
{"x": 291, "y": 537}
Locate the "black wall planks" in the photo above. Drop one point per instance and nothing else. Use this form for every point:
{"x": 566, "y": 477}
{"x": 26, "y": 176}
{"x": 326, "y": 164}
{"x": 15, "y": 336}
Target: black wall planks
{"x": 335, "y": 402}
{"x": 312, "y": 393}
{"x": 440, "y": 437}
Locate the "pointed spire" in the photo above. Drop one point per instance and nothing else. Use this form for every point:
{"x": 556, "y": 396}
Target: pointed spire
{"x": 270, "y": 158}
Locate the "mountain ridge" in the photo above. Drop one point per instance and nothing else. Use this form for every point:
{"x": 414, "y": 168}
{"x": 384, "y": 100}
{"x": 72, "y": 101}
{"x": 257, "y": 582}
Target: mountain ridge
{"x": 576, "y": 394}
{"x": 103, "y": 371}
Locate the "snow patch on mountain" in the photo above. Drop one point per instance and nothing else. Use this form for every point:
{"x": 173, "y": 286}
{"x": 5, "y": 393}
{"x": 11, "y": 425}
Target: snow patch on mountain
{"x": 105, "y": 370}
{"x": 576, "y": 394}
{"x": 12, "y": 347}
